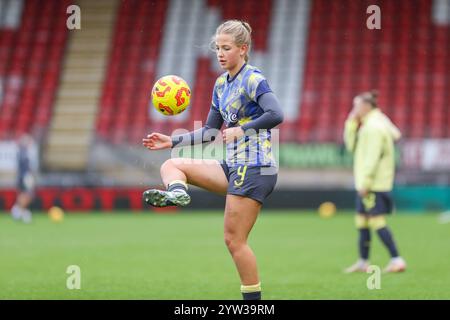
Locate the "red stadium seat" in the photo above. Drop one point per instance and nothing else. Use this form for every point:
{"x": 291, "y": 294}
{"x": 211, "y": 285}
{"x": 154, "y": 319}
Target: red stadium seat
{"x": 135, "y": 46}
{"x": 344, "y": 58}
{"x": 32, "y": 69}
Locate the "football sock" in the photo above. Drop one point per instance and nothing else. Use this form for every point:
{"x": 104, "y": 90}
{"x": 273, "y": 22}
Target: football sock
{"x": 26, "y": 215}
{"x": 251, "y": 292}
{"x": 177, "y": 185}
{"x": 364, "y": 243}
{"x": 386, "y": 236}
{"x": 16, "y": 212}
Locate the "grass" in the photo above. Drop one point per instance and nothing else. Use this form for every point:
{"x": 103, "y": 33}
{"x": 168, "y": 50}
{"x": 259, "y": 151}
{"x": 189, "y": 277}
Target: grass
{"x": 182, "y": 256}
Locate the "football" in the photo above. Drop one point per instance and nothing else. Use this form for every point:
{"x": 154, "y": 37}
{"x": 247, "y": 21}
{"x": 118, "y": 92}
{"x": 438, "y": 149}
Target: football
{"x": 171, "y": 95}
{"x": 56, "y": 214}
{"x": 327, "y": 210}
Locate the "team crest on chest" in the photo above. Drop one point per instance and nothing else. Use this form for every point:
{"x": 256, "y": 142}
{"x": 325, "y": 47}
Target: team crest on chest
{"x": 229, "y": 117}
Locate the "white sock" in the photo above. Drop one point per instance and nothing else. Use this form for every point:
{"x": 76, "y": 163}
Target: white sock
{"x": 179, "y": 190}
{"x": 26, "y": 216}
{"x": 397, "y": 260}
{"x": 16, "y": 212}
{"x": 363, "y": 261}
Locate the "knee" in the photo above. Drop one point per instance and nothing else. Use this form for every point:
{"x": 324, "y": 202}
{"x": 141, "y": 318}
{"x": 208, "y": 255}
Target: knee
{"x": 229, "y": 240}
{"x": 174, "y": 163}
{"x": 168, "y": 165}
{"x": 232, "y": 242}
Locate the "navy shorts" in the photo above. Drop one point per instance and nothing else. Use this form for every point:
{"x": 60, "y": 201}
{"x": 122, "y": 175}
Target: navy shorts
{"x": 256, "y": 183}
{"x": 375, "y": 203}
{"x": 23, "y": 186}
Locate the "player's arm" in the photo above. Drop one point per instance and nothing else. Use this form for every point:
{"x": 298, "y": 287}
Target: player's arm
{"x": 33, "y": 157}
{"x": 272, "y": 116}
{"x": 395, "y": 132}
{"x": 350, "y": 134}
{"x": 158, "y": 141}
{"x": 208, "y": 133}
{"x": 372, "y": 139}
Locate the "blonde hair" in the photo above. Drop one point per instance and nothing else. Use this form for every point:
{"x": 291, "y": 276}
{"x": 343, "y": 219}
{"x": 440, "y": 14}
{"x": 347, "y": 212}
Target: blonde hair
{"x": 239, "y": 30}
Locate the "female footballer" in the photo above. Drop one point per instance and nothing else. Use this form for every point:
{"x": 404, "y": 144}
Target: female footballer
{"x": 244, "y": 102}
{"x": 370, "y": 135}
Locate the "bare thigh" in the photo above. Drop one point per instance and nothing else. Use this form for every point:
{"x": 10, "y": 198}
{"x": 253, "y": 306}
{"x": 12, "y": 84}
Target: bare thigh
{"x": 240, "y": 216}
{"x": 206, "y": 174}
{"x": 24, "y": 199}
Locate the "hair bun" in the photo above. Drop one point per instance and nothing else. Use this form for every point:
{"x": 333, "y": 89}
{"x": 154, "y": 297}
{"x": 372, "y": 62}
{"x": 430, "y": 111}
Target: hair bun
{"x": 247, "y": 26}
{"x": 375, "y": 94}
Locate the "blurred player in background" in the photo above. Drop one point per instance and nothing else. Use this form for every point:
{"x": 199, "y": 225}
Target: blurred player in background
{"x": 243, "y": 100}
{"x": 370, "y": 136}
{"x": 27, "y": 164}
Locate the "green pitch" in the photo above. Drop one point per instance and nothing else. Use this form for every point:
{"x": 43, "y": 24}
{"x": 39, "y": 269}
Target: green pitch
{"x": 182, "y": 256}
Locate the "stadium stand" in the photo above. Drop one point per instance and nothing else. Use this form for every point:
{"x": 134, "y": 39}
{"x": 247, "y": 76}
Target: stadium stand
{"x": 193, "y": 61}
{"x": 85, "y": 94}
{"x": 32, "y": 43}
{"x": 407, "y": 61}
{"x": 72, "y": 129}
{"x": 125, "y": 100}
{"x": 315, "y": 64}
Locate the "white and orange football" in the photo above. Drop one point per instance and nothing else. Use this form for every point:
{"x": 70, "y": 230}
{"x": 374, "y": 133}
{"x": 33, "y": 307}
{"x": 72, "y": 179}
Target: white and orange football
{"x": 171, "y": 95}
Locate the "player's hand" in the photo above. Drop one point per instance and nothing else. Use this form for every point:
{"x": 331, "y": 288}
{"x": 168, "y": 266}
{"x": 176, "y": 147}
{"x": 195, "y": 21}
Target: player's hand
{"x": 363, "y": 192}
{"x": 157, "y": 141}
{"x": 231, "y": 134}
{"x": 353, "y": 115}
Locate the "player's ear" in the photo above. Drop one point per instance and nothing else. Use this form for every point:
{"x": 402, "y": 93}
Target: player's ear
{"x": 244, "y": 49}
